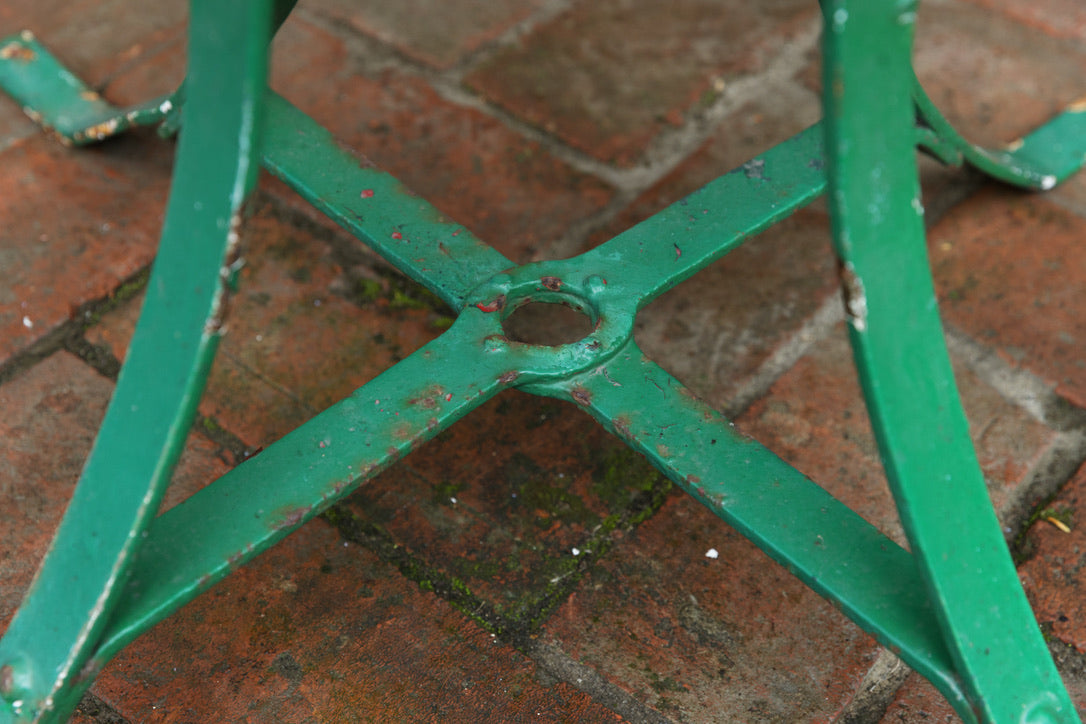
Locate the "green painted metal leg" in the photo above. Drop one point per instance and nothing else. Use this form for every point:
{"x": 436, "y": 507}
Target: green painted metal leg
{"x": 47, "y": 656}
{"x": 906, "y": 375}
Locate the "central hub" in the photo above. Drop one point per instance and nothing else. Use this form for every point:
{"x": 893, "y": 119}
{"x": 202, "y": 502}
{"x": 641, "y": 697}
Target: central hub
{"x": 551, "y": 319}
{"x": 548, "y": 323}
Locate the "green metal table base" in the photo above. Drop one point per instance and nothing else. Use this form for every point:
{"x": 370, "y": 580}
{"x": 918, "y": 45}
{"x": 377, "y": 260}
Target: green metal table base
{"x": 953, "y": 609}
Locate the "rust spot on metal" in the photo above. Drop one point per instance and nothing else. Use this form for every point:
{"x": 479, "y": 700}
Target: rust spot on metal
{"x": 693, "y": 479}
{"x": 427, "y": 399}
{"x": 678, "y": 251}
{"x": 17, "y": 51}
{"x": 581, "y": 395}
{"x": 7, "y": 679}
{"x": 663, "y": 451}
{"x": 622, "y": 427}
{"x": 432, "y": 424}
{"x": 508, "y": 377}
{"x": 391, "y": 452}
{"x": 852, "y": 288}
{"x": 216, "y": 323}
{"x": 552, "y": 283}
{"x": 495, "y": 306}
{"x": 100, "y": 131}
{"x": 89, "y": 670}
{"x": 292, "y": 519}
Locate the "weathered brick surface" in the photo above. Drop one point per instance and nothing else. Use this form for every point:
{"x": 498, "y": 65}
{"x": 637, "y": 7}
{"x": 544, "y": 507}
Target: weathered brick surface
{"x": 507, "y": 189}
{"x": 702, "y": 638}
{"x": 76, "y": 225}
{"x": 1059, "y": 18}
{"x": 452, "y": 30}
{"x": 320, "y": 630}
{"x": 814, "y": 417}
{"x": 607, "y": 77}
{"x": 1009, "y": 270}
{"x": 85, "y": 36}
{"x": 51, "y": 414}
{"x": 993, "y": 76}
{"x": 1052, "y": 574}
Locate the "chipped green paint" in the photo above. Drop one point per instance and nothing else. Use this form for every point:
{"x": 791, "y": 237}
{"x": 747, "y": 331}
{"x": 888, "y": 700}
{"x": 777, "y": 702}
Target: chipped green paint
{"x": 876, "y": 113}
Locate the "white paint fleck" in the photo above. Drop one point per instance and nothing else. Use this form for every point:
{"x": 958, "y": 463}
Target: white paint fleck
{"x": 27, "y": 322}
{"x": 713, "y": 552}
{"x": 1048, "y": 182}
{"x": 575, "y": 551}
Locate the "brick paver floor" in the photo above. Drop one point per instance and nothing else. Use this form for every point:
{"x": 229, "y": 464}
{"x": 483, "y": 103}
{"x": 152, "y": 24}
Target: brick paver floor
{"x": 525, "y": 566}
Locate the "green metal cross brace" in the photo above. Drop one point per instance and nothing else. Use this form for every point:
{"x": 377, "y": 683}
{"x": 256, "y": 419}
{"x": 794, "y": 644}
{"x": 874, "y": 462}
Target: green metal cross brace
{"x": 876, "y": 113}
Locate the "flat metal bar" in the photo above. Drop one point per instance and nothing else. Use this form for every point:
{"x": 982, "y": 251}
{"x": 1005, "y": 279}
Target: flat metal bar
{"x": 53, "y": 97}
{"x": 1041, "y": 160}
{"x": 195, "y": 544}
{"x": 797, "y": 523}
{"x": 373, "y": 206}
{"x": 45, "y": 653}
{"x": 908, "y": 384}
{"x": 671, "y": 246}
{"x": 60, "y": 102}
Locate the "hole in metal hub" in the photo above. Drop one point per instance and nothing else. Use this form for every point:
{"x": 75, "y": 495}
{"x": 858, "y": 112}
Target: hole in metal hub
{"x": 549, "y": 324}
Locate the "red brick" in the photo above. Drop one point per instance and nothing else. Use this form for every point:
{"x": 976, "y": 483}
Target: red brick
{"x": 733, "y": 638}
{"x": 1009, "y": 272}
{"x": 320, "y": 630}
{"x": 51, "y": 416}
{"x": 606, "y": 77}
{"x": 509, "y": 500}
{"x": 814, "y": 418}
{"x": 1071, "y": 194}
{"x": 1052, "y": 575}
{"x": 703, "y": 331}
{"x": 740, "y": 136}
{"x": 88, "y": 37}
{"x": 506, "y": 189}
{"x": 293, "y": 346}
{"x": 437, "y": 34}
{"x": 76, "y": 224}
{"x": 917, "y": 702}
{"x": 1058, "y": 18}
{"x": 995, "y": 78}
{"x": 94, "y": 38}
